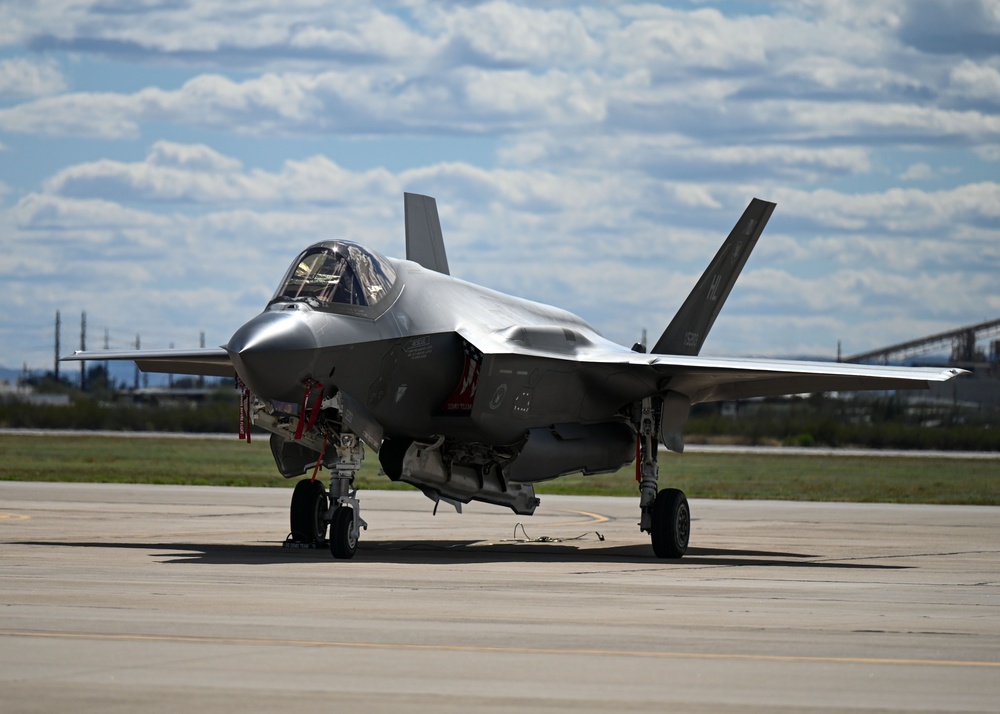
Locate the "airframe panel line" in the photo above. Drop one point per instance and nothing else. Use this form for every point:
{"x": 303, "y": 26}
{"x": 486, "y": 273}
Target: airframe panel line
{"x": 723, "y": 656}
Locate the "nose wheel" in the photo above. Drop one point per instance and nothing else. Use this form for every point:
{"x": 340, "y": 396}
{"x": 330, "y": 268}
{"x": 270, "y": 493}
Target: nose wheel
{"x": 343, "y": 534}
{"x": 345, "y": 516}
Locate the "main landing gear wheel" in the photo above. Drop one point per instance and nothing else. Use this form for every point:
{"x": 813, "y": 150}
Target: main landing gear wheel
{"x": 308, "y": 512}
{"x": 343, "y": 541}
{"x": 671, "y": 523}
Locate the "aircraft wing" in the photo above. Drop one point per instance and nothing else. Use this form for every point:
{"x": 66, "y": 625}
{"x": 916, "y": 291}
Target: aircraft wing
{"x": 712, "y": 379}
{"x": 208, "y": 362}
{"x": 563, "y": 376}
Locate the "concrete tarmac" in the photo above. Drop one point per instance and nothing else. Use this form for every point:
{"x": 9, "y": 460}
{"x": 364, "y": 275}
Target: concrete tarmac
{"x": 173, "y": 598}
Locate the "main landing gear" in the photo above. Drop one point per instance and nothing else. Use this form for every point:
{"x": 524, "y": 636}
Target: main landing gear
{"x": 314, "y": 508}
{"x": 671, "y": 524}
{"x": 666, "y": 515}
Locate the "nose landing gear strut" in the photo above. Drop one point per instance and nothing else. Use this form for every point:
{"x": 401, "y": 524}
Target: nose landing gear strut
{"x": 314, "y": 508}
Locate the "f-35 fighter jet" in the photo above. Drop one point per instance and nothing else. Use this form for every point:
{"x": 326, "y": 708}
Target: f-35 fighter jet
{"x": 470, "y": 394}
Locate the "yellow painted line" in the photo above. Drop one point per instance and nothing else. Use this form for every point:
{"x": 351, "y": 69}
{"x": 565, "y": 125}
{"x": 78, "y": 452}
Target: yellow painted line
{"x": 594, "y": 519}
{"x": 252, "y": 641}
{"x": 14, "y": 517}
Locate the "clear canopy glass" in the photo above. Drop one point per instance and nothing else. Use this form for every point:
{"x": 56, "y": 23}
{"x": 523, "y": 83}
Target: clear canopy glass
{"x": 337, "y": 273}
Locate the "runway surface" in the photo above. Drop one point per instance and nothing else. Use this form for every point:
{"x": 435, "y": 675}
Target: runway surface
{"x": 170, "y": 598}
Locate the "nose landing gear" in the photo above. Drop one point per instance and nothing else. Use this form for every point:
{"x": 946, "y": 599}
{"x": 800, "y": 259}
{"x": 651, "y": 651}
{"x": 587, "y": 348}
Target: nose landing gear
{"x": 343, "y": 533}
{"x": 313, "y": 507}
{"x": 345, "y": 509}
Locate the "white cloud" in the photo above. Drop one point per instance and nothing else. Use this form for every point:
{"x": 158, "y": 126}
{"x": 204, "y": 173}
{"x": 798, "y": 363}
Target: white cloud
{"x": 191, "y": 157}
{"x": 94, "y": 220}
{"x": 686, "y": 157}
{"x": 504, "y": 33}
{"x": 524, "y": 69}
{"x": 503, "y": 228}
{"x": 855, "y": 119}
{"x": 917, "y": 172}
{"x": 362, "y": 102}
{"x": 896, "y": 210}
{"x": 622, "y": 141}
{"x": 176, "y": 173}
{"x": 211, "y": 27}
{"x": 99, "y": 115}
{"x": 25, "y": 78}
{"x": 989, "y": 152}
{"x": 976, "y": 81}
{"x": 668, "y": 39}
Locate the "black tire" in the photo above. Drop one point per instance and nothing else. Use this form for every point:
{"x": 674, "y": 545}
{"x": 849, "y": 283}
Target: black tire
{"x": 308, "y": 512}
{"x": 671, "y": 524}
{"x": 343, "y": 544}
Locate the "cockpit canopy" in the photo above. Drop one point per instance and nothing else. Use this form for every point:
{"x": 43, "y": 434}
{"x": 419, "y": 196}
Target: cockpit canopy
{"x": 335, "y": 274}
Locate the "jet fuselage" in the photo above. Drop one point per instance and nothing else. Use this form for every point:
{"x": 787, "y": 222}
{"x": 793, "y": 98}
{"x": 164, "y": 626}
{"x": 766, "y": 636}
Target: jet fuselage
{"x": 405, "y": 360}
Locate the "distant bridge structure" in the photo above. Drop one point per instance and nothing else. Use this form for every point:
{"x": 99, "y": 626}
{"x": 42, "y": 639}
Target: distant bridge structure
{"x": 962, "y": 342}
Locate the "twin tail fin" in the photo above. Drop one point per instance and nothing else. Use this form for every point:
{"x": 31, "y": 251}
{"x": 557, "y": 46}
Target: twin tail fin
{"x": 686, "y": 333}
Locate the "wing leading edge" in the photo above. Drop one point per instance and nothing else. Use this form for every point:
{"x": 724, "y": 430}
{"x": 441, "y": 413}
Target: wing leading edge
{"x": 704, "y": 379}
{"x": 199, "y": 362}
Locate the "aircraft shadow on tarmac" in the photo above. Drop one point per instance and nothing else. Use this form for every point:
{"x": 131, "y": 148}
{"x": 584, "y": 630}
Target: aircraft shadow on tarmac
{"x": 417, "y": 552}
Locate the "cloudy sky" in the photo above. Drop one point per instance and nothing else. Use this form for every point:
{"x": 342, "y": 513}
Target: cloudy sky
{"x": 162, "y": 161}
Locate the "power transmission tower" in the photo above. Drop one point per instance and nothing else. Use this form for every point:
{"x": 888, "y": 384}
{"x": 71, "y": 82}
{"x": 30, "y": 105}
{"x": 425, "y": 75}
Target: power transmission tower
{"x": 55, "y": 371}
{"x": 137, "y": 347}
{"x": 83, "y": 348}
{"x": 108, "y": 384}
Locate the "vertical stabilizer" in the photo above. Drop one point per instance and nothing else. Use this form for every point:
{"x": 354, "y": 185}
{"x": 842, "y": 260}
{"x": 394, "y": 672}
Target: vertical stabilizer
{"x": 424, "y": 242}
{"x": 686, "y": 333}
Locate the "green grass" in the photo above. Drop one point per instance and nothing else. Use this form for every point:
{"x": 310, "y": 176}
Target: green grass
{"x": 138, "y": 460}
{"x": 700, "y": 475}
{"x": 808, "y": 478}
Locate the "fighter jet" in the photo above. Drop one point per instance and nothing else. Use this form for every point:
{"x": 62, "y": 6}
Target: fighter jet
{"x": 473, "y": 395}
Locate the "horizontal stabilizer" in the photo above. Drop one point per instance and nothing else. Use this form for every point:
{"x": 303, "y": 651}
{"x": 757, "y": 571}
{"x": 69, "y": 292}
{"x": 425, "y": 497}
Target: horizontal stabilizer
{"x": 424, "y": 241}
{"x": 686, "y": 333}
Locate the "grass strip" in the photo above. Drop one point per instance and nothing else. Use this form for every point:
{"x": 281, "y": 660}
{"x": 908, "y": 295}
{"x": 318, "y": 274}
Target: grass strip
{"x": 743, "y": 476}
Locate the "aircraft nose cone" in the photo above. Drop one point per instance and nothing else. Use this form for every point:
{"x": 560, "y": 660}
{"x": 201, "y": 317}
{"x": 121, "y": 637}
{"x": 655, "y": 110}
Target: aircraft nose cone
{"x": 273, "y": 353}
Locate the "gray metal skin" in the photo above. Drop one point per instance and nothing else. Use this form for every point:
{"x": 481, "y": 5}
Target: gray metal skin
{"x": 550, "y": 396}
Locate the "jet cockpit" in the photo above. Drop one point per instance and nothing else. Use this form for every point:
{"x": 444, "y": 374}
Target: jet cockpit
{"x": 337, "y": 275}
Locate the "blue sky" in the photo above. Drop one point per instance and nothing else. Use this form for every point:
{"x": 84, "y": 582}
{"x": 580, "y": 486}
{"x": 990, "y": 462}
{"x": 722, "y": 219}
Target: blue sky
{"x": 162, "y": 162}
